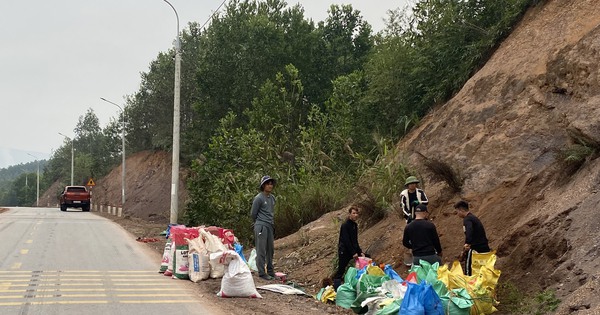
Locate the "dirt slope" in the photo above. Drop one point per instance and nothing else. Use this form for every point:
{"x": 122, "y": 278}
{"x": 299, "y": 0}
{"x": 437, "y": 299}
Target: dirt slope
{"x": 502, "y": 133}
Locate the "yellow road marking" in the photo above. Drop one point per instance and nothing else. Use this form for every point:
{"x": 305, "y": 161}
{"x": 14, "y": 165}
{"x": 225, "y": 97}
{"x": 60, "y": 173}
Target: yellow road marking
{"x": 52, "y": 295}
{"x": 158, "y": 302}
{"x": 53, "y": 302}
{"x": 152, "y": 295}
{"x": 28, "y": 241}
{"x": 91, "y": 290}
{"x": 16, "y": 266}
{"x": 87, "y": 271}
{"x": 24, "y": 251}
{"x": 55, "y": 280}
{"x": 52, "y": 284}
{"x": 149, "y": 289}
{"x": 95, "y": 302}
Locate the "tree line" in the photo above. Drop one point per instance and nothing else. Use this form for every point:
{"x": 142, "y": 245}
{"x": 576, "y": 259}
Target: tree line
{"x": 317, "y": 105}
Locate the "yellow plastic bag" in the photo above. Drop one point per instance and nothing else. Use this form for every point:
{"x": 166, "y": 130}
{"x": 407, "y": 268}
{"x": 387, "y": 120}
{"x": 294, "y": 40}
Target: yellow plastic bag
{"x": 328, "y": 294}
{"x": 375, "y": 271}
{"x": 478, "y": 260}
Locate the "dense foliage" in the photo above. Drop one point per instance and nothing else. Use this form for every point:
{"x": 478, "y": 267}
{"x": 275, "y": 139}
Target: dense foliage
{"x": 18, "y": 183}
{"x": 264, "y": 90}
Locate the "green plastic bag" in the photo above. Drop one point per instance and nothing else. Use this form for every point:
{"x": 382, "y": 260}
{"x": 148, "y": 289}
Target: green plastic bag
{"x": 346, "y": 294}
{"x": 368, "y": 283}
{"x": 350, "y": 276}
{"x": 457, "y": 302}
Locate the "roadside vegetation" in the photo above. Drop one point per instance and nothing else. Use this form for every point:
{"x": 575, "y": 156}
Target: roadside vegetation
{"x": 515, "y": 301}
{"x": 317, "y": 105}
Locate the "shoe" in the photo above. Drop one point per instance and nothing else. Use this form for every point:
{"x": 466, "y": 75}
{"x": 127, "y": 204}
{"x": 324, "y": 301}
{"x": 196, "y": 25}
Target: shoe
{"x": 266, "y": 277}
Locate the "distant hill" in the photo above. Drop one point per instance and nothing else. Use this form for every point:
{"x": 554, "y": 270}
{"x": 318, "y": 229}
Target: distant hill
{"x": 9, "y": 157}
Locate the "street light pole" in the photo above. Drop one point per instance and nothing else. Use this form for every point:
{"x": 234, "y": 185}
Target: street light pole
{"x": 123, "y": 153}
{"x": 72, "y": 155}
{"x": 37, "y": 194}
{"x": 176, "y": 121}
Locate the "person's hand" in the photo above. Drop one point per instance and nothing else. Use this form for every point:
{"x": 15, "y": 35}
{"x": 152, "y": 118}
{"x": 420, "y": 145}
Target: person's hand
{"x": 467, "y": 246}
{"x": 355, "y": 256}
{"x": 362, "y": 254}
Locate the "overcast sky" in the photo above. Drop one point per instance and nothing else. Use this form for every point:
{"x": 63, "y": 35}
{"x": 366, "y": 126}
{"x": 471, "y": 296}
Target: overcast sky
{"x": 58, "y": 58}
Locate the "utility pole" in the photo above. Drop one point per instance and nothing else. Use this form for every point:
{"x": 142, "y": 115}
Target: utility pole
{"x": 176, "y": 121}
{"x": 123, "y": 153}
{"x": 72, "y": 155}
{"x": 37, "y": 194}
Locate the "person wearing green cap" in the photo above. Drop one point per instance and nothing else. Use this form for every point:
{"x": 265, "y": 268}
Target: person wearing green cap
{"x": 411, "y": 197}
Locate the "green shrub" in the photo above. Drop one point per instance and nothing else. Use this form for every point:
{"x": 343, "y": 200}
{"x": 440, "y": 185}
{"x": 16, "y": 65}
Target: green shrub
{"x": 300, "y": 204}
{"x": 514, "y": 301}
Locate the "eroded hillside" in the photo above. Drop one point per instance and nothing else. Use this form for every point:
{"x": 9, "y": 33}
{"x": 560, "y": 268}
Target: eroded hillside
{"x": 504, "y": 134}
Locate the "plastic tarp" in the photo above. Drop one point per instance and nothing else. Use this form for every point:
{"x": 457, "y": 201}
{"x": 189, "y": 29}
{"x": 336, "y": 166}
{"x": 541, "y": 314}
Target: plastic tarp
{"x": 282, "y": 288}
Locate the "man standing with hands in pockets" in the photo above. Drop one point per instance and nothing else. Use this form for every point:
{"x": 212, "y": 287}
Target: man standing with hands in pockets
{"x": 263, "y": 211}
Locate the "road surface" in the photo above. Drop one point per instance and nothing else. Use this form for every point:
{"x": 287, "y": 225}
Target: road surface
{"x": 54, "y": 262}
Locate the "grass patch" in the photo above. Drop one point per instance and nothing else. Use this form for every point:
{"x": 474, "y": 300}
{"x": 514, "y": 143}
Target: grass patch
{"x": 515, "y": 301}
{"x": 444, "y": 171}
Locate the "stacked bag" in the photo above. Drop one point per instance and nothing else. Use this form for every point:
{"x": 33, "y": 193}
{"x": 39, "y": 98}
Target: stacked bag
{"x": 429, "y": 289}
{"x": 199, "y": 253}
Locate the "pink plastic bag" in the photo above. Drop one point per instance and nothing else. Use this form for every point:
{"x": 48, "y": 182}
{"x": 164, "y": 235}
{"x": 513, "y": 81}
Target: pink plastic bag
{"x": 361, "y": 262}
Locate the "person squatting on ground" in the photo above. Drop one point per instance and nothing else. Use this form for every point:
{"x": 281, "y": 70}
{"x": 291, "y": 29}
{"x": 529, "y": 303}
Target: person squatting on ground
{"x": 263, "y": 210}
{"x": 475, "y": 238}
{"x": 348, "y": 247}
{"x": 411, "y": 197}
{"x": 422, "y": 238}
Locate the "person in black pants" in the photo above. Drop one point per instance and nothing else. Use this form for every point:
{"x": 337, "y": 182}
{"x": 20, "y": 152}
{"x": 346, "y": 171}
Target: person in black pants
{"x": 475, "y": 238}
{"x": 422, "y": 238}
{"x": 348, "y": 247}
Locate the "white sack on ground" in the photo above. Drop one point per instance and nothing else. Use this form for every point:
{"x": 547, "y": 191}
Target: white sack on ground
{"x": 199, "y": 261}
{"x": 213, "y": 245}
{"x": 237, "y": 280}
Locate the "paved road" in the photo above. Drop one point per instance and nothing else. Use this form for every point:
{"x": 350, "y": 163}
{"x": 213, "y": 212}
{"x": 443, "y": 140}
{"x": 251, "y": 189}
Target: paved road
{"x": 54, "y": 262}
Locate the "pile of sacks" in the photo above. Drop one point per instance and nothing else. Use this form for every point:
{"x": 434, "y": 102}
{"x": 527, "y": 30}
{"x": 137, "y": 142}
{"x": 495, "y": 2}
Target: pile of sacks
{"x": 428, "y": 289}
{"x": 200, "y": 253}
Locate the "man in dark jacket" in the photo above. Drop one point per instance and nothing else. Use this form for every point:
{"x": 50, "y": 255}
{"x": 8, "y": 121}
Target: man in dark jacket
{"x": 348, "y": 247}
{"x": 475, "y": 238}
{"x": 422, "y": 238}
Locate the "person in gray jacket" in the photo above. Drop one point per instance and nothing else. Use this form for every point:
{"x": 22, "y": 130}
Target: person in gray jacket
{"x": 263, "y": 210}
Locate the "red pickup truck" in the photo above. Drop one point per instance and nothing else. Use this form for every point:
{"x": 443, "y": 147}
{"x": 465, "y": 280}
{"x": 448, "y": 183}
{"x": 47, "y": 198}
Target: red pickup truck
{"x": 75, "y": 197}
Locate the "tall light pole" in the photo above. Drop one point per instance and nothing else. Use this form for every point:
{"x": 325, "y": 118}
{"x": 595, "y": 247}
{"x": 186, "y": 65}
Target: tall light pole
{"x": 122, "y": 153}
{"x": 37, "y": 194}
{"x": 72, "y": 155}
{"x": 176, "y": 119}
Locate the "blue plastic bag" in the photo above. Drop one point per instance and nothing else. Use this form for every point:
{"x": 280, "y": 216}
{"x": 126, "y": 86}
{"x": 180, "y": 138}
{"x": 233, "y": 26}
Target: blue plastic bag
{"x": 240, "y": 250}
{"x": 431, "y": 301}
{"x": 411, "y": 304}
{"x": 421, "y": 299}
{"x": 389, "y": 271}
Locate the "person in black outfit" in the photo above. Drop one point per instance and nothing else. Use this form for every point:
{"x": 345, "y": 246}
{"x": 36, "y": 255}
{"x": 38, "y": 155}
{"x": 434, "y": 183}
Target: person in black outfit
{"x": 348, "y": 247}
{"x": 475, "y": 238}
{"x": 422, "y": 238}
